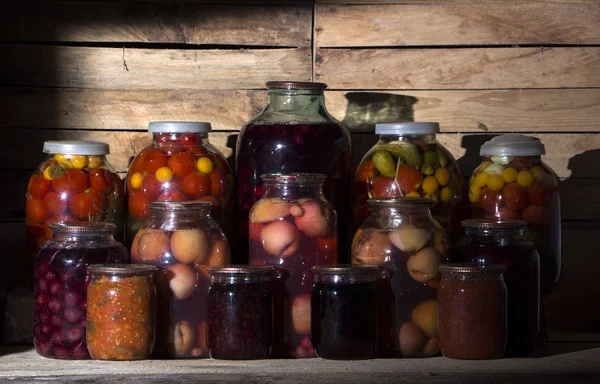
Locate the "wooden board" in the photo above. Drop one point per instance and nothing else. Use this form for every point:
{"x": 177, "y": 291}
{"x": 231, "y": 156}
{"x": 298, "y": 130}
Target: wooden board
{"x": 527, "y": 110}
{"x": 460, "y": 68}
{"x": 131, "y": 22}
{"x": 435, "y": 24}
{"x": 136, "y": 68}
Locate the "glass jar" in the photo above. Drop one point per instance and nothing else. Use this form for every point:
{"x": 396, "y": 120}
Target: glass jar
{"x": 344, "y": 312}
{"x": 182, "y": 240}
{"x": 240, "y": 312}
{"x": 294, "y": 133}
{"x": 403, "y": 238}
{"x": 513, "y": 183}
{"x": 472, "y": 313}
{"x": 180, "y": 165}
{"x": 293, "y": 228}
{"x": 408, "y": 161}
{"x": 503, "y": 242}
{"x": 121, "y": 311}
{"x": 74, "y": 183}
{"x": 60, "y": 287}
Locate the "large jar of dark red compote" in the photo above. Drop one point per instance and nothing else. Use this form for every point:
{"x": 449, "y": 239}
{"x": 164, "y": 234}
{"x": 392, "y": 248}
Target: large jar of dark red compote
{"x": 293, "y": 228}
{"x": 294, "y": 133}
{"x": 61, "y": 288}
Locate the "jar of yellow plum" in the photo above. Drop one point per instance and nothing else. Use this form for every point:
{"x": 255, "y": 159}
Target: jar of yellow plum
{"x": 513, "y": 183}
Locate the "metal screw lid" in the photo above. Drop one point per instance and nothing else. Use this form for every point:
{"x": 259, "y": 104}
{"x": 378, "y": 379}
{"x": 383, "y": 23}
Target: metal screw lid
{"x": 296, "y": 85}
{"x": 242, "y": 270}
{"x": 76, "y": 147}
{"x": 123, "y": 269}
{"x": 400, "y": 202}
{"x": 179, "y": 127}
{"x": 472, "y": 268}
{"x": 492, "y": 224}
{"x": 82, "y": 227}
{"x": 344, "y": 269}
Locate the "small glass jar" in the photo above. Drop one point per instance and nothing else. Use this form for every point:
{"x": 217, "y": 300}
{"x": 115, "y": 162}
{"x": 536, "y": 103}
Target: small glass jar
{"x": 293, "y": 228}
{"x": 240, "y": 312}
{"x": 74, "y": 183}
{"x": 408, "y": 161}
{"x": 344, "y": 312}
{"x": 180, "y": 164}
{"x": 120, "y": 312}
{"x": 402, "y": 237}
{"x": 472, "y": 314}
{"x": 182, "y": 240}
{"x": 294, "y": 133}
{"x": 503, "y": 242}
{"x": 60, "y": 287}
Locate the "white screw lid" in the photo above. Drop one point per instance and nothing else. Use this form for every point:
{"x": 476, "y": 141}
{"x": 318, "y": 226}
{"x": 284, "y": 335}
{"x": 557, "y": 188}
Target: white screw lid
{"x": 512, "y": 145}
{"x": 179, "y": 127}
{"x": 76, "y": 147}
{"x": 408, "y": 128}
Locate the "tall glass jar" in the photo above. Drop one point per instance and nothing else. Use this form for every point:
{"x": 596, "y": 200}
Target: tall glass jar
{"x": 294, "y": 133}
{"x": 182, "y": 240}
{"x": 180, "y": 164}
{"x": 60, "y": 288}
{"x": 503, "y": 242}
{"x": 293, "y": 228}
{"x": 74, "y": 183}
{"x": 513, "y": 183}
{"x": 403, "y": 238}
{"x": 408, "y": 161}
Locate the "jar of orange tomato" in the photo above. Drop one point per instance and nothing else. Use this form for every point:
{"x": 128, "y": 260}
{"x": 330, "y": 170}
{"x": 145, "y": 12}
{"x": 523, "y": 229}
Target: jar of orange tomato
{"x": 180, "y": 164}
{"x": 74, "y": 183}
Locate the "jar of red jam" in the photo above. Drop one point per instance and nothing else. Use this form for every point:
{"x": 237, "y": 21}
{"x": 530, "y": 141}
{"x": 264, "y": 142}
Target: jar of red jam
{"x": 293, "y": 228}
{"x": 240, "y": 312}
{"x": 294, "y": 133}
{"x": 74, "y": 183}
{"x": 344, "y": 311}
{"x": 180, "y": 165}
{"x": 120, "y": 312}
{"x": 182, "y": 240}
{"x": 60, "y": 288}
{"x": 408, "y": 161}
{"x": 513, "y": 183}
{"x": 472, "y": 313}
{"x": 503, "y": 242}
{"x": 402, "y": 237}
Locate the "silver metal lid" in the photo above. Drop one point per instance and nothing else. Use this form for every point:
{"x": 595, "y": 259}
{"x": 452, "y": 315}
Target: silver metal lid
{"x": 512, "y": 145}
{"x": 82, "y": 227}
{"x": 400, "y": 202}
{"x": 242, "y": 269}
{"x": 179, "y": 127}
{"x": 492, "y": 224}
{"x": 344, "y": 269}
{"x": 296, "y": 85}
{"x": 76, "y": 147}
{"x": 473, "y": 268}
{"x": 122, "y": 269}
{"x": 407, "y": 128}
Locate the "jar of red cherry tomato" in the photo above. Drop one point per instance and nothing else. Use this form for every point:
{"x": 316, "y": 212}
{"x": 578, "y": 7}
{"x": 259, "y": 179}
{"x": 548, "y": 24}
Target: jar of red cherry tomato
{"x": 408, "y": 161}
{"x": 513, "y": 183}
{"x": 180, "y": 164}
{"x": 74, "y": 183}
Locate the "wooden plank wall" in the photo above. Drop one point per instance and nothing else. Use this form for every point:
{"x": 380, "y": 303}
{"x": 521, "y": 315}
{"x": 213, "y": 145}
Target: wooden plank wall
{"x": 103, "y": 69}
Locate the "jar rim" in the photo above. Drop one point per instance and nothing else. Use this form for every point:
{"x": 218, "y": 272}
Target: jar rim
{"x": 171, "y": 206}
{"x": 400, "y": 202}
{"x": 344, "y": 269}
{"x": 241, "y": 270}
{"x": 179, "y": 127}
{"x": 283, "y": 84}
{"x": 82, "y": 227}
{"x": 296, "y": 178}
{"x": 472, "y": 268}
{"x": 493, "y": 224}
{"x": 76, "y": 147}
{"x": 125, "y": 269}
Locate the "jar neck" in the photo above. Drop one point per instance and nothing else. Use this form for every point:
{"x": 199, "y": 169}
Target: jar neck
{"x": 428, "y": 138}
{"x": 296, "y": 101}
{"x": 177, "y": 141}
{"x": 473, "y": 277}
{"x": 400, "y": 211}
{"x": 83, "y": 237}
{"x": 238, "y": 278}
{"x": 294, "y": 191}
{"x": 487, "y": 234}
{"x": 170, "y": 219}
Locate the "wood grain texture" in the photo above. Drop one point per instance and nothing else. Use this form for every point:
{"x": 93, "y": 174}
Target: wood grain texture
{"x": 136, "y": 68}
{"x": 528, "y": 110}
{"x": 479, "y": 68}
{"x": 449, "y": 23}
{"x": 168, "y": 22}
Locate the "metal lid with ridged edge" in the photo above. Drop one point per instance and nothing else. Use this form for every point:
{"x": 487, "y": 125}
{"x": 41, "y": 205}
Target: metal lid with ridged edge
{"x": 81, "y": 227}
{"x": 407, "y": 128}
{"x": 76, "y": 147}
{"x": 492, "y": 224}
{"x": 295, "y": 85}
{"x": 122, "y": 269}
{"x": 242, "y": 270}
{"x": 179, "y": 127}
{"x": 473, "y": 268}
{"x": 400, "y": 202}
{"x": 294, "y": 178}
{"x": 179, "y": 205}
{"x": 512, "y": 145}
{"x": 344, "y": 269}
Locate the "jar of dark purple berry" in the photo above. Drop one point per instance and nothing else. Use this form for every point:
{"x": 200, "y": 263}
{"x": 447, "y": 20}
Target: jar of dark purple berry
{"x": 344, "y": 312}
{"x": 60, "y": 286}
{"x": 240, "y": 312}
{"x": 504, "y": 242}
{"x": 294, "y": 133}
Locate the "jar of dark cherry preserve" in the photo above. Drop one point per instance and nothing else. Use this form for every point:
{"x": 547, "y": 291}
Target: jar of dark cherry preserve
{"x": 240, "y": 312}
{"x": 503, "y": 242}
{"x": 344, "y": 311}
{"x": 472, "y": 313}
